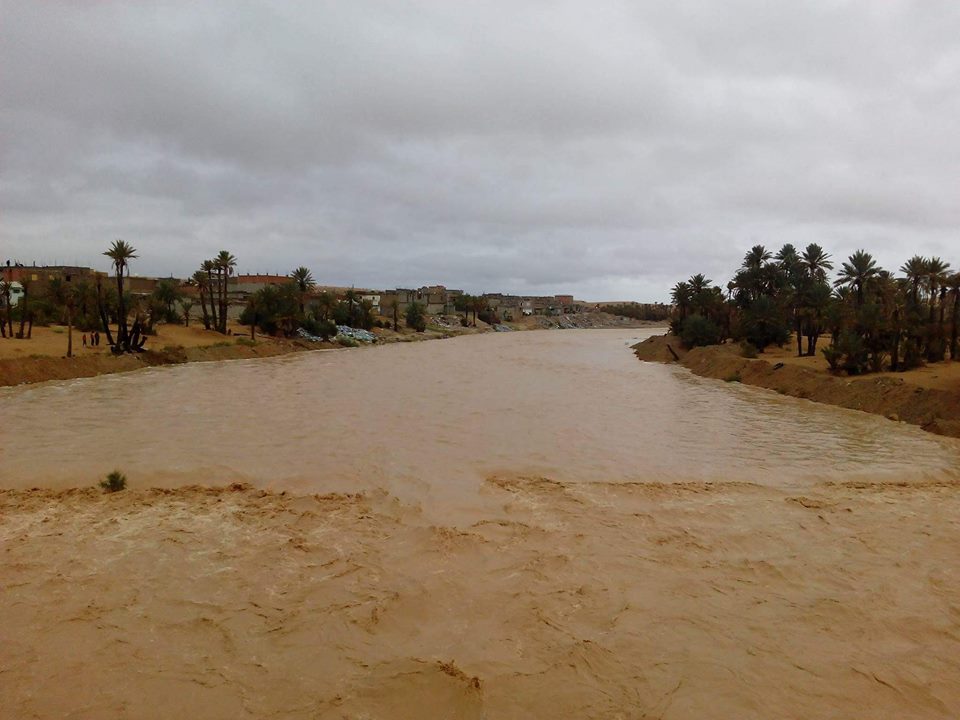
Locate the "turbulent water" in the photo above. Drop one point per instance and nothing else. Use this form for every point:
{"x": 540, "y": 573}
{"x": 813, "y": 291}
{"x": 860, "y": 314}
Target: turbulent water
{"x": 431, "y": 420}
{"x": 523, "y": 525}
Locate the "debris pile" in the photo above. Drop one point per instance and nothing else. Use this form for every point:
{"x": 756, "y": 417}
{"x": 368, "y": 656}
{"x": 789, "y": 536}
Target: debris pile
{"x": 304, "y": 335}
{"x": 356, "y": 334}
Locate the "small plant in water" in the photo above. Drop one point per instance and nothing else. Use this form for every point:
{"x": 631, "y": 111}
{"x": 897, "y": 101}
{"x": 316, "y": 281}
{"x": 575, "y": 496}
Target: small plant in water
{"x": 115, "y": 481}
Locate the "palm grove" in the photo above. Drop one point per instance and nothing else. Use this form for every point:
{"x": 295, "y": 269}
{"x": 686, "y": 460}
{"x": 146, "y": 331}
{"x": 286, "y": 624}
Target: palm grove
{"x": 128, "y": 319}
{"x": 875, "y": 320}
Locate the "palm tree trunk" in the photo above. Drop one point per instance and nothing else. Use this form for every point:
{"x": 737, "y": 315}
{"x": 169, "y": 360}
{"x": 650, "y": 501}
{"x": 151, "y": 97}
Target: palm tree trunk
{"x": 103, "y": 314}
{"x": 223, "y": 302}
{"x": 69, "y": 331}
{"x": 799, "y": 332}
{"x": 9, "y": 317}
{"x": 203, "y": 307}
{"x": 212, "y": 290}
{"x": 23, "y": 309}
{"x": 954, "y": 322}
{"x": 122, "y": 335}
{"x": 941, "y": 329}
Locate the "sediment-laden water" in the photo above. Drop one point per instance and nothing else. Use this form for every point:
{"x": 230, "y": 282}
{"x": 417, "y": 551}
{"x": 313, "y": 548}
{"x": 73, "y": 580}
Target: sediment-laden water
{"x": 423, "y": 419}
{"x": 522, "y": 525}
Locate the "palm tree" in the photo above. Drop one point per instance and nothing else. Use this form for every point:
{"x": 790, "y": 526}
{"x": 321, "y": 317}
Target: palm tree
{"x": 936, "y": 275}
{"x": 225, "y": 263}
{"x": 70, "y": 300}
{"x": 699, "y": 283}
{"x": 185, "y": 307}
{"x": 352, "y": 298}
{"x": 954, "y": 283}
{"x": 699, "y": 286}
{"x": 787, "y": 256}
{"x": 816, "y": 262}
{"x": 325, "y": 305}
{"x": 209, "y": 267}
{"x": 199, "y": 279}
{"x": 478, "y": 304}
{"x": 756, "y": 257}
{"x": 121, "y": 253}
{"x": 464, "y": 302}
{"x": 916, "y": 271}
{"x": 8, "y": 320}
{"x": 818, "y": 299}
{"x": 682, "y": 296}
{"x": 856, "y": 272}
{"x": 24, "y": 307}
{"x": 168, "y": 294}
{"x": 756, "y": 275}
{"x": 304, "y": 280}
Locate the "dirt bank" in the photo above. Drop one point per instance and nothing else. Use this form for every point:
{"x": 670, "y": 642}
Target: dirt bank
{"x": 40, "y": 369}
{"x": 891, "y": 395}
{"x": 564, "y": 600}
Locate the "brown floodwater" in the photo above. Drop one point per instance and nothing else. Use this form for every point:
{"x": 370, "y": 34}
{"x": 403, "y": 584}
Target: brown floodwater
{"x": 522, "y": 525}
{"x": 430, "y": 421}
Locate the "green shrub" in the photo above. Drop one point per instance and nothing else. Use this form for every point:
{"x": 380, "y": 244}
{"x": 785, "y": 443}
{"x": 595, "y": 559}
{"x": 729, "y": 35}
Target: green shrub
{"x": 697, "y": 331}
{"x": 416, "y": 317}
{"x": 347, "y": 341}
{"x": 115, "y": 482}
{"x": 246, "y": 341}
{"x": 747, "y": 349}
{"x": 833, "y": 356}
{"x": 325, "y": 329}
{"x": 763, "y": 324}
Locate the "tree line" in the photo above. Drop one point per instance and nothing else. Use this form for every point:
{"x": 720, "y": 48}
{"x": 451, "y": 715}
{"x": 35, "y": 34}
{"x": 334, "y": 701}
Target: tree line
{"x": 127, "y": 319}
{"x": 875, "y": 319}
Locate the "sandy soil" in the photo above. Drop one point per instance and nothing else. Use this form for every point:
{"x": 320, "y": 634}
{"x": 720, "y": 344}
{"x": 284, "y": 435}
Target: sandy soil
{"x": 567, "y": 601}
{"x": 928, "y": 396}
{"x": 938, "y": 376}
{"x": 52, "y": 341}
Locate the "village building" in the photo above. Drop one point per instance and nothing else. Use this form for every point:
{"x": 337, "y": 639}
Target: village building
{"x": 241, "y": 287}
{"x": 436, "y": 299}
{"x": 15, "y": 290}
{"x": 35, "y": 279}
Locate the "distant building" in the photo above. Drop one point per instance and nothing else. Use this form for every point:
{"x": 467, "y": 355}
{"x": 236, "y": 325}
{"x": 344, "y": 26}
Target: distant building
{"x": 436, "y": 299}
{"x": 16, "y": 294}
{"x": 373, "y": 298}
{"x": 137, "y": 285}
{"x": 34, "y": 280}
{"x": 240, "y": 287}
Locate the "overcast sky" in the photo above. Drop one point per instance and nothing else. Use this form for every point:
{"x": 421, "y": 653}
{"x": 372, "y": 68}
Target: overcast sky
{"x": 602, "y": 148}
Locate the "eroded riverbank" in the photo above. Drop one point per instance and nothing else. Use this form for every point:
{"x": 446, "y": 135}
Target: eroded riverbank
{"x": 936, "y": 410}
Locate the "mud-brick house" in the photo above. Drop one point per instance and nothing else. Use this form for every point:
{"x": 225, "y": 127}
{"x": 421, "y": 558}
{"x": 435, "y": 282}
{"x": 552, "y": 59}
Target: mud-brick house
{"x": 436, "y": 299}
{"x": 37, "y": 277}
{"x": 241, "y": 287}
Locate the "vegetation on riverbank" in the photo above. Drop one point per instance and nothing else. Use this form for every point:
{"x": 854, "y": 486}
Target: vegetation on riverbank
{"x": 875, "y": 319}
{"x": 907, "y": 397}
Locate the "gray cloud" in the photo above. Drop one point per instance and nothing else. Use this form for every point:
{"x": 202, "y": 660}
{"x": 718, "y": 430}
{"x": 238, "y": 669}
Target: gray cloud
{"x": 605, "y": 148}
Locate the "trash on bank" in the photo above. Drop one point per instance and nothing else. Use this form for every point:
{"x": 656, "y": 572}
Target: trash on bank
{"x": 356, "y": 334}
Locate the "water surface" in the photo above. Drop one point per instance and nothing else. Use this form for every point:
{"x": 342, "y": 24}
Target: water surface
{"x": 430, "y": 419}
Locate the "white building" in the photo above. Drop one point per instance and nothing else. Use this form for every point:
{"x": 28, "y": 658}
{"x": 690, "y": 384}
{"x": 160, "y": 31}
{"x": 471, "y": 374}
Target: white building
{"x": 16, "y": 292}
